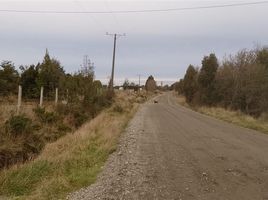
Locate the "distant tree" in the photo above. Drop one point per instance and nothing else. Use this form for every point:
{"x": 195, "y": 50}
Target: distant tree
{"x": 262, "y": 56}
{"x": 132, "y": 84}
{"x": 97, "y": 84}
{"x": 239, "y": 83}
{"x": 165, "y": 87}
{"x": 50, "y": 75}
{"x": 126, "y": 84}
{"x": 28, "y": 81}
{"x": 206, "y": 80}
{"x": 179, "y": 86}
{"x": 150, "y": 84}
{"x": 190, "y": 84}
{"x": 9, "y": 78}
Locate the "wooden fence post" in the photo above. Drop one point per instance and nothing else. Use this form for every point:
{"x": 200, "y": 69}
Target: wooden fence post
{"x": 56, "y": 96}
{"x": 19, "y": 99}
{"x": 41, "y": 96}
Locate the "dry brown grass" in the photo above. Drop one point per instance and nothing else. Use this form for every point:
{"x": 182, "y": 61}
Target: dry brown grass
{"x": 235, "y": 117}
{"x": 8, "y": 108}
{"x": 74, "y": 160}
{"x": 181, "y": 100}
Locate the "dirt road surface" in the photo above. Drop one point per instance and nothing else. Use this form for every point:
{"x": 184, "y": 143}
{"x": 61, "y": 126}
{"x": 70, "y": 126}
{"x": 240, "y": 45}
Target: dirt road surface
{"x": 171, "y": 152}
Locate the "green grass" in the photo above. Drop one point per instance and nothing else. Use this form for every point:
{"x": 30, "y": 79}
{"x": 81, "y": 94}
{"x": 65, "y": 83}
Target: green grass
{"x": 54, "y": 179}
{"x": 20, "y": 181}
{"x": 71, "y": 162}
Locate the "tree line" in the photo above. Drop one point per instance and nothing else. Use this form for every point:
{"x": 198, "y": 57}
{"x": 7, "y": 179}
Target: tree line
{"x": 239, "y": 82}
{"x": 23, "y": 136}
{"x": 50, "y": 75}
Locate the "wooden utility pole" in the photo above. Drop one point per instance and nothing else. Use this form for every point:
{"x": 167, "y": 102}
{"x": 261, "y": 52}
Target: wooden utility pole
{"x": 115, "y": 35}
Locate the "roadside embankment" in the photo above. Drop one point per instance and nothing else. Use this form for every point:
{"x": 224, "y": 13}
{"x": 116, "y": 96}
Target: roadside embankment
{"x": 235, "y": 117}
{"x": 73, "y": 161}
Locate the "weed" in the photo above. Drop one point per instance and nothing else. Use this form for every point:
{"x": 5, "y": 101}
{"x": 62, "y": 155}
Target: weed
{"x": 118, "y": 108}
{"x": 45, "y": 116}
{"x": 18, "y": 124}
{"x": 22, "y": 181}
{"x": 71, "y": 162}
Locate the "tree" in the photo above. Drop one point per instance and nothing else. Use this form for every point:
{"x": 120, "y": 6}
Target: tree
{"x": 28, "y": 81}
{"x": 126, "y": 84}
{"x": 50, "y": 75}
{"x": 9, "y": 78}
{"x": 150, "y": 84}
{"x": 242, "y": 82}
{"x": 262, "y": 57}
{"x": 190, "y": 84}
{"x": 206, "y": 80}
{"x": 179, "y": 87}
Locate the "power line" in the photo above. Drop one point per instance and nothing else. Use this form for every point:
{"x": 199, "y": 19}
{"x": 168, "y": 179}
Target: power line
{"x": 134, "y": 11}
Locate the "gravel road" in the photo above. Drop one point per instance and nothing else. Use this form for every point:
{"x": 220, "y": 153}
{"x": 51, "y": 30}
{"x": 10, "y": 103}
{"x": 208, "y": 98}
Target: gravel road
{"x": 171, "y": 152}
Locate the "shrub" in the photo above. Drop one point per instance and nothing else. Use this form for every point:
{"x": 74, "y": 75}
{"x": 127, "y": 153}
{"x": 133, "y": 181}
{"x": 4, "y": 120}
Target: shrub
{"x": 118, "y": 108}
{"x": 63, "y": 128}
{"x": 18, "y": 124}
{"x": 62, "y": 109}
{"x": 46, "y": 117}
{"x": 79, "y": 118}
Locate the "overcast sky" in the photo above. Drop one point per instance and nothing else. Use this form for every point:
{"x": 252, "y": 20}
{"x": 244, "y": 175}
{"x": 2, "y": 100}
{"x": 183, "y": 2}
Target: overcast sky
{"x": 162, "y": 44}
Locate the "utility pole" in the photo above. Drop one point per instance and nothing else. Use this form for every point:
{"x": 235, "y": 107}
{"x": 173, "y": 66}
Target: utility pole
{"x": 115, "y": 35}
{"x": 139, "y": 80}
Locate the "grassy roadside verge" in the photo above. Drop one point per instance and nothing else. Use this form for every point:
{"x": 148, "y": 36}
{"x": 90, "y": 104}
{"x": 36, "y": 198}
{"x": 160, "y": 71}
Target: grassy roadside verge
{"x": 74, "y": 160}
{"x": 234, "y": 117}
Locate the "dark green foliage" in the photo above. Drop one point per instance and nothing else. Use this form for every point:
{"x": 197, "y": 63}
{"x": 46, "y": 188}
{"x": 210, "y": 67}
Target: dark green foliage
{"x": 190, "y": 84}
{"x": 206, "y": 80}
{"x": 50, "y": 74}
{"x": 63, "y": 128}
{"x": 9, "y": 78}
{"x": 19, "y": 142}
{"x": 83, "y": 98}
{"x": 28, "y": 81}
{"x": 239, "y": 83}
{"x": 118, "y": 108}
{"x": 18, "y": 124}
{"x": 126, "y": 84}
{"x": 78, "y": 115}
{"x": 45, "y": 116}
{"x": 262, "y": 57}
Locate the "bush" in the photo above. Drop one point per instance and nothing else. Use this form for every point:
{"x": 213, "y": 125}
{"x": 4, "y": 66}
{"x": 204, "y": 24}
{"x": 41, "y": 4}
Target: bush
{"x": 62, "y": 109}
{"x": 79, "y": 117}
{"x": 18, "y": 124}
{"x": 118, "y": 108}
{"x": 63, "y": 128}
{"x": 46, "y": 117}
